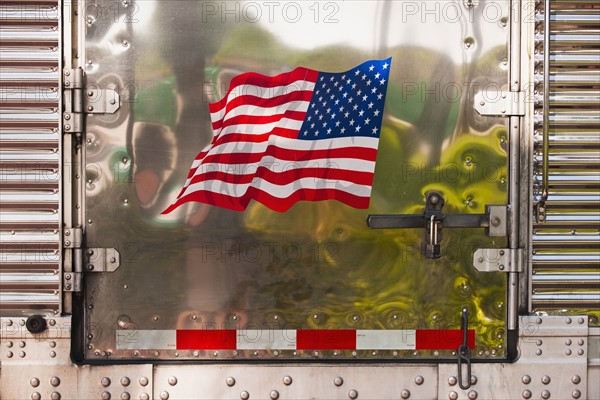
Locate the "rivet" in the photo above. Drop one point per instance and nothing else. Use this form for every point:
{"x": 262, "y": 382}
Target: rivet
{"x": 55, "y": 396}
{"x": 580, "y": 352}
{"x": 538, "y": 342}
{"x": 482, "y": 103}
{"x": 581, "y": 320}
{"x": 526, "y": 379}
{"x": 230, "y": 381}
{"x": 144, "y": 396}
{"x": 55, "y": 381}
{"x": 545, "y": 379}
{"x": 125, "y": 381}
{"x": 472, "y": 395}
{"x": 453, "y": 395}
{"x": 576, "y": 394}
{"x": 143, "y": 381}
{"x": 473, "y": 380}
{"x": 353, "y": 394}
{"x": 287, "y": 380}
{"x": 22, "y": 354}
{"x": 338, "y": 381}
{"x": 545, "y": 394}
{"x": 105, "y": 381}
{"x": 164, "y": 395}
{"x": 172, "y": 381}
{"x": 274, "y": 395}
{"x": 125, "y": 396}
{"x": 244, "y": 395}
{"x": 576, "y": 379}
{"x": 568, "y": 320}
{"x": 419, "y": 380}
{"x": 452, "y": 381}
{"x": 90, "y": 108}
{"x": 568, "y": 352}
{"x": 538, "y": 321}
{"x": 105, "y": 395}
{"x": 405, "y": 394}
{"x": 580, "y": 342}
{"x": 526, "y": 394}
{"x": 538, "y": 352}
{"x": 568, "y": 342}
{"x": 9, "y": 354}
{"x": 52, "y": 344}
{"x": 9, "y": 322}
{"x": 36, "y": 396}
{"x": 22, "y": 322}
{"x": 35, "y": 382}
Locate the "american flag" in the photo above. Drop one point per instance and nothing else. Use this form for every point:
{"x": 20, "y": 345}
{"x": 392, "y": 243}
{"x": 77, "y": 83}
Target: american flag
{"x": 300, "y": 135}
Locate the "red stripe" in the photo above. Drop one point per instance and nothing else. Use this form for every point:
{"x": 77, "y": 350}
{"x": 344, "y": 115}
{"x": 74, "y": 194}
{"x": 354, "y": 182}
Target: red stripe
{"x": 443, "y": 339}
{"x": 332, "y": 174}
{"x": 301, "y": 95}
{"x": 274, "y": 203}
{"x": 198, "y": 339}
{"x": 252, "y": 78}
{"x": 329, "y": 339}
{"x": 262, "y": 119}
{"x": 360, "y": 153}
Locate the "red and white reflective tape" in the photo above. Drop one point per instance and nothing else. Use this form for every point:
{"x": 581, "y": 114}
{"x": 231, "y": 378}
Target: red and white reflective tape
{"x": 292, "y": 339}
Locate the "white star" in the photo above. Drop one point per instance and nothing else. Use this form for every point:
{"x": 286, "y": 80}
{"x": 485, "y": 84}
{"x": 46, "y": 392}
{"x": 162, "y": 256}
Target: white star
{"x": 377, "y": 75}
{"x": 361, "y": 113}
{"x": 358, "y": 128}
{"x": 317, "y": 111}
{"x": 341, "y": 108}
{"x": 382, "y": 81}
{"x": 364, "y": 97}
{"x": 357, "y": 72}
{"x": 371, "y": 105}
{"x": 312, "y": 126}
{"x": 322, "y": 79}
{"x": 374, "y": 130}
{"x": 305, "y": 133}
{"x": 345, "y": 94}
{"x": 355, "y": 107}
{"x": 385, "y": 65}
{"x": 343, "y": 130}
{"x": 320, "y": 117}
{"x": 329, "y": 131}
{"x": 328, "y": 90}
{"x": 332, "y": 96}
{"x": 332, "y": 78}
{"x": 367, "y": 121}
{"x": 312, "y": 105}
{"x": 349, "y": 81}
{"x": 374, "y": 90}
{"x": 340, "y": 88}
{"x": 354, "y": 86}
{"x": 376, "y": 113}
{"x": 329, "y": 111}
{"x": 317, "y": 92}
{"x": 333, "y": 115}
{"x": 351, "y": 122}
{"x": 316, "y": 133}
{"x": 335, "y": 83}
{"x": 359, "y": 92}
{"x": 337, "y": 123}
{"x": 364, "y": 77}
{"x": 324, "y": 124}
{"x": 343, "y": 76}
{"x": 379, "y": 96}
{"x": 369, "y": 82}
{"x": 321, "y": 98}
{"x": 346, "y": 114}
{"x": 309, "y": 118}
{"x": 350, "y": 100}
{"x": 337, "y": 102}
{"x": 371, "y": 68}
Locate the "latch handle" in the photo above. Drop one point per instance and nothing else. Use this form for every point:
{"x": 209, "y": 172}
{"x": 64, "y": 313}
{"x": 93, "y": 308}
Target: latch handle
{"x": 464, "y": 352}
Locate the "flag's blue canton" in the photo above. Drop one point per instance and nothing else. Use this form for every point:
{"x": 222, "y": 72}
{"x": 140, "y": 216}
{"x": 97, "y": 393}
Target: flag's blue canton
{"x": 347, "y": 103}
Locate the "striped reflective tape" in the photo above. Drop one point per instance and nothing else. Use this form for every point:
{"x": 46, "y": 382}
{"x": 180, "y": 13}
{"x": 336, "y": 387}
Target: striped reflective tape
{"x": 292, "y": 339}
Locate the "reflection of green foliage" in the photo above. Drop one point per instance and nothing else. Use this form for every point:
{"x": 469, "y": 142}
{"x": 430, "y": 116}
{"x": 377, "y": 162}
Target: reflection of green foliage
{"x": 157, "y": 103}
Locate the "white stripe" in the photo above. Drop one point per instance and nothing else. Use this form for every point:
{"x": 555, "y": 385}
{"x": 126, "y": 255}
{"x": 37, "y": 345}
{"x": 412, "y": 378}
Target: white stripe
{"x": 259, "y": 129}
{"x": 290, "y": 144}
{"x": 276, "y": 165}
{"x": 256, "y": 111}
{"x": 279, "y": 191}
{"x": 263, "y": 93}
{"x": 386, "y": 339}
{"x": 146, "y": 339}
{"x": 266, "y": 339}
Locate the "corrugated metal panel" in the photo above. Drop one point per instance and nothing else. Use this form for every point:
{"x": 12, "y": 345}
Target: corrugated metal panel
{"x": 30, "y": 157}
{"x": 566, "y": 239}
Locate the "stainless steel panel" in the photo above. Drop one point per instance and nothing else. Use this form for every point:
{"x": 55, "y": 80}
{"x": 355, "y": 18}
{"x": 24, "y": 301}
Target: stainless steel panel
{"x": 30, "y": 158}
{"x": 318, "y": 265}
{"x": 566, "y": 263}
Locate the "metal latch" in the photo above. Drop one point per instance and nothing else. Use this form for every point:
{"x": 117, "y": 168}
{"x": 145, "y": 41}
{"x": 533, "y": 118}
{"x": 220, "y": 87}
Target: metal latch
{"x": 498, "y": 260}
{"x": 95, "y": 101}
{"x": 102, "y": 259}
{"x": 433, "y": 220}
{"x": 500, "y": 103}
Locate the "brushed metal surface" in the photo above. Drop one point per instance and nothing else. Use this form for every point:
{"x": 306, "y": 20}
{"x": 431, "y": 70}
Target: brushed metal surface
{"x": 318, "y": 265}
{"x": 30, "y": 158}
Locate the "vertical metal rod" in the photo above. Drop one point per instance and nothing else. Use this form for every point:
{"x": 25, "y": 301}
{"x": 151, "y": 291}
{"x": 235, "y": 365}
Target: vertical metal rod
{"x": 546, "y": 105}
{"x": 514, "y": 200}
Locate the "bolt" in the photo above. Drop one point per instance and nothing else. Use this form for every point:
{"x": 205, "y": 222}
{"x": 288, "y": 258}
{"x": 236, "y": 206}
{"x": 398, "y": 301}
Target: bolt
{"x": 453, "y": 395}
{"x": 90, "y": 108}
{"x": 338, "y": 381}
{"x": 67, "y": 127}
{"x": 568, "y": 320}
{"x": 105, "y": 395}
{"x": 419, "y": 380}
{"x": 526, "y": 379}
{"x": 54, "y": 381}
{"x": 405, "y": 394}
{"x": 230, "y": 381}
{"x": 353, "y": 394}
{"x": 452, "y": 381}
{"x": 526, "y": 394}
{"x": 244, "y": 395}
{"x": 545, "y": 379}
{"x": 36, "y": 396}
{"x": 164, "y": 395}
{"x": 545, "y": 394}
{"x": 581, "y": 320}
{"x": 472, "y": 395}
{"x": 495, "y": 221}
{"x": 55, "y": 396}
{"x": 172, "y": 381}
{"x": 144, "y": 381}
{"x": 576, "y": 394}
{"x": 35, "y": 382}
{"x": 125, "y": 396}
{"x": 576, "y": 379}
{"x": 274, "y": 395}
{"x": 287, "y": 380}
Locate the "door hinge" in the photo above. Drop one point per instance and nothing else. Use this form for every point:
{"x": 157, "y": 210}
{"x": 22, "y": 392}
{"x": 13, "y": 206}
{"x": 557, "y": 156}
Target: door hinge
{"x": 498, "y": 260}
{"x": 72, "y": 238}
{"x": 102, "y": 259}
{"x": 500, "y": 103}
{"x": 72, "y": 281}
{"x": 79, "y": 100}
